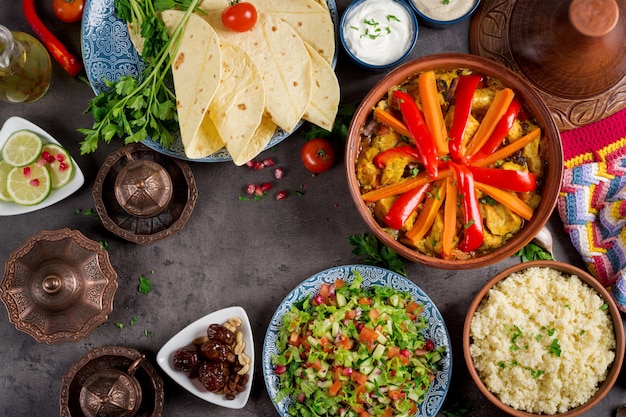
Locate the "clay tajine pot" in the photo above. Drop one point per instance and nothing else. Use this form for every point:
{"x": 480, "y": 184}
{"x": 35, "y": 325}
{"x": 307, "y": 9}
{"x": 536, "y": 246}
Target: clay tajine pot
{"x": 572, "y": 51}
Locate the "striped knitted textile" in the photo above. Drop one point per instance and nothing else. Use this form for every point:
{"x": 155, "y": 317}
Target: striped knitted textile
{"x": 592, "y": 201}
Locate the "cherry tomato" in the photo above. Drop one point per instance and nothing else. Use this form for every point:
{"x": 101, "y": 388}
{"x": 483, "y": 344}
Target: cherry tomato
{"x": 68, "y": 11}
{"x": 240, "y": 16}
{"x": 317, "y": 155}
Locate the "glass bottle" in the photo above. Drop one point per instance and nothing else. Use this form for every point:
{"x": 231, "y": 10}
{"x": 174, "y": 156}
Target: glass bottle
{"x": 25, "y": 67}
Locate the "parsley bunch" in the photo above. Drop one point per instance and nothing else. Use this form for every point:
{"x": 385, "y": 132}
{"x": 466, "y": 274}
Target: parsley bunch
{"x": 145, "y": 107}
{"x": 377, "y": 254}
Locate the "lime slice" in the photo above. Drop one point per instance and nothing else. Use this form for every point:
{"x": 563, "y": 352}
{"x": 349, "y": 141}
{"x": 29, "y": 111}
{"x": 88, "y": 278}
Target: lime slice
{"x": 22, "y": 148}
{"x": 5, "y": 167}
{"x": 59, "y": 163}
{"x": 29, "y": 185}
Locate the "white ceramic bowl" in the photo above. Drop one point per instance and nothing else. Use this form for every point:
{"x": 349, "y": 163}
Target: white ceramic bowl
{"x": 165, "y": 356}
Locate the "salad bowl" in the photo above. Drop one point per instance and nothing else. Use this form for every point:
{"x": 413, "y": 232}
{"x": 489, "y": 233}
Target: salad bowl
{"x": 372, "y": 276}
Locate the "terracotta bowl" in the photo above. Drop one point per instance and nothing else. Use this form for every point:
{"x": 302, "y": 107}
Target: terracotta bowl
{"x": 553, "y": 153}
{"x": 568, "y": 270}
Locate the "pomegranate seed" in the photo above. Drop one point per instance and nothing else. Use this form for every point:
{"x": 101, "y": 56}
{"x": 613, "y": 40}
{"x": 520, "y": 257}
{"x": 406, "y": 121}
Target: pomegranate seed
{"x": 250, "y": 164}
{"x": 266, "y": 186}
{"x": 359, "y": 326}
{"x": 405, "y": 353}
{"x": 281, "y": 195}
{"x": 47, "y": 157}
{"x": 258, "y": 191}
{"x": 278, "y": 173}
{"x": 250, "y": 189}
{"x": 301, "y": 397}
{"x": 318, "y": 300}
{"x": 27, "y": 172}
{"x": 63, "y": 166}
{"x": 259, "y": 166}
{"x": 60, "y": 157}
{"x": 347, "y": 371}
{"x": 280, "y": 369}
{"x": 34, "y": 182}
{"x": 429, "y": 345}
{"x": 269, "y": 162}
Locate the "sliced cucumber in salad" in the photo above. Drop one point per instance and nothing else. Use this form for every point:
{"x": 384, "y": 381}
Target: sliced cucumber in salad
{"x": 351, "y": 351}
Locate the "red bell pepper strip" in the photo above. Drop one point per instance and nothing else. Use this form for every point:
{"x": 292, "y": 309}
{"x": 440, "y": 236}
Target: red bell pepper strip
{"x": 501, "y": 130}
{"x": 414, "y": 120}
{"x": 404, "y": 206}
{"x": 407, "y": 152}
{"x": 466, "y": 86}
{"x": 506, "y": 179}
{"x": 69, "y": 62}
{"x": 473, "y": 233}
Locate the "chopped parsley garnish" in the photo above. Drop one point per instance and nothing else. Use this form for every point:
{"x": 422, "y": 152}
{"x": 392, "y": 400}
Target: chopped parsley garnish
{"x": 145, "y": 285}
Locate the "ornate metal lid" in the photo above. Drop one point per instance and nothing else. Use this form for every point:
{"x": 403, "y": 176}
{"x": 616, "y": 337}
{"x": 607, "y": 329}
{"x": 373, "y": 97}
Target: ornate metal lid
{"x": 142, "y": 195}
{"x": 91, "y": 383}
{"x": 58, "y": 286}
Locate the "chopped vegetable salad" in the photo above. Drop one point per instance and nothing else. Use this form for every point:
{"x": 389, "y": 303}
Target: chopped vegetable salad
{"x": 355, "y": 351}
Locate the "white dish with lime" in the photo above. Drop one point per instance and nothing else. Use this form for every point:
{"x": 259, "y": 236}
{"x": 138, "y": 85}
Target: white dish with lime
{"x": 40, "y": 171}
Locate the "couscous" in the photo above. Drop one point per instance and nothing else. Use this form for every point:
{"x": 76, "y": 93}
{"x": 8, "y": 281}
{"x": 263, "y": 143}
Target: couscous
{"x": 542, "y": 341}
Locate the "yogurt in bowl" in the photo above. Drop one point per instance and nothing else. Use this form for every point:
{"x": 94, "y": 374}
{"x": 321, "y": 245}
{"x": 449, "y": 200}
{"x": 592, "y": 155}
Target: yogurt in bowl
{"x": 378, "y": 34}
{"x": 443, "y": 13}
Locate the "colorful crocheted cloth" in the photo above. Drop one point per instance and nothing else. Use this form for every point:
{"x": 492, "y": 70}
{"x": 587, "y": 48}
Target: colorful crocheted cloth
{"x": 592, "y": 202}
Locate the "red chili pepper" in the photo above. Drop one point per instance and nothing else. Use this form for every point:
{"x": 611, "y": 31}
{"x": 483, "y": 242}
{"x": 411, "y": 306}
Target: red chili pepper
{"x": 404, "y": 206}
{"x": 501, "y": 130}
{"x": 407, "y": 152}
{"x": 466, "y": 86}
{"x": 473, "y": 233}
{"x": 69, "y": 62}
{"x": 414, "y": 120}
{"x": 506, "y": 179}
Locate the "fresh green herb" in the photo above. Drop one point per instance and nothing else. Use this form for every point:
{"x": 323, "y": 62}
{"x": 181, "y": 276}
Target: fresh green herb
{"x": 104, "y": 244}
{"x": 582, "y": 332}
{"x": 145, "y": 285}
{"x": 536, "y": 373}
{"x": 147, "y": 333}
{"x": 533, "y": 252}
{"x": 375, "y": 253}
{"x": 551, "y": 331}
{"x": 555, "y": 348}
{"x": 391, "y": 17}
{"x": 604, "y": 306}
{"x": 340, "y": 126}
{"x": 120, "y": 325}
{"x": 446, "y": 1}
{"x": 501, "y": 364}
{"x": 459, "y": 408}
{"x": 468, "y": 224}
{"x": 133, "y": 320}
{"x": 145, "y": 107}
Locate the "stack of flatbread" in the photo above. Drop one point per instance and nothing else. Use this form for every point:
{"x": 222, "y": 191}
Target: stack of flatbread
{"x": 234, "y": 89}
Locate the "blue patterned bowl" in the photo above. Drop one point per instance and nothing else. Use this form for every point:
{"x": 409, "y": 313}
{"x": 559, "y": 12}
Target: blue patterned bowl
{"x": 372, "y": 276}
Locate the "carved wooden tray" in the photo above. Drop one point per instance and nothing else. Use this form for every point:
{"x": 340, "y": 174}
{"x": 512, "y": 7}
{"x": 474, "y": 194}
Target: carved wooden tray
{"x": 581, "y": 78}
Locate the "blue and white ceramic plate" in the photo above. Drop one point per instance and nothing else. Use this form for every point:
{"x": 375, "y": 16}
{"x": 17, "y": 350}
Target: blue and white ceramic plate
{"x": 108, "y": 53}
{"x": 372, "y": 276}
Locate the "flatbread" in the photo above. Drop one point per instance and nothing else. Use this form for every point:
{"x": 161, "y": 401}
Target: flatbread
{"x": 285, "y": 65}
{"x": 325, "y": 93}
{"x": 196, "y": 73}
{"x": 310, "y": 18}
{"x": 258, "y": 141}
{"x": 239, "y": 103}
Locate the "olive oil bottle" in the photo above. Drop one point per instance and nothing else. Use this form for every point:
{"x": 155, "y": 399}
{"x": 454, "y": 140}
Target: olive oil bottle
{"x": 25, "y": 67}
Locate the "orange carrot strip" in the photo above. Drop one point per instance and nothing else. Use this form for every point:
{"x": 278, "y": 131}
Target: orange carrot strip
{"x": 388, "y": 119}
{"x": 426, "y": 217}
{"x": 449, "y": 218}
{"x": 495, "y": 112}
{"x": 507, "y": 150}
{"x": 507, "y": 199}
{"x": 427, "y": 84}
{"x": 334, "y": 389}
{"x": 403, "y": 186}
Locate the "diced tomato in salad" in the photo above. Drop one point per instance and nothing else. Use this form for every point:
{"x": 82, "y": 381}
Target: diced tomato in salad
{"x": 355, "y": 351}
